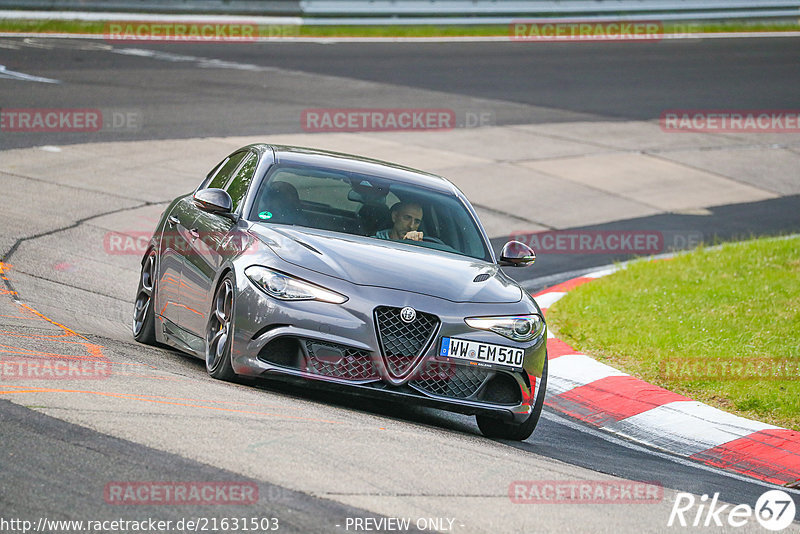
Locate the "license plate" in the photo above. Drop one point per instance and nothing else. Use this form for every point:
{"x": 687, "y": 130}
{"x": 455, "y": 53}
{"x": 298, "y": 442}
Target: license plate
{"x": 482, "y": 354}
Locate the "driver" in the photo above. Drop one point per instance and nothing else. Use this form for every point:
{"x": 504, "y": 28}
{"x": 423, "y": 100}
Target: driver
{"x": 406, "y": 218}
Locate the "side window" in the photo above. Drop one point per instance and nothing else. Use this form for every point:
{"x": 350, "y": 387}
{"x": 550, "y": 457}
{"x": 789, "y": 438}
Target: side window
{"x": 238, "y": 186}
{"x": 224, "y": 171}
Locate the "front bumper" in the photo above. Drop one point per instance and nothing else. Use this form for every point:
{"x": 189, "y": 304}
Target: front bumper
{"x": 339, "y": 345}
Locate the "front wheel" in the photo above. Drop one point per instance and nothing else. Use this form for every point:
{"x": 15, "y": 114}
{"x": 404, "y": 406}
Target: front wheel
{"x": 144, "y": 329}
{"x": 219, "y": 333}
{"x": 495, "y": 428}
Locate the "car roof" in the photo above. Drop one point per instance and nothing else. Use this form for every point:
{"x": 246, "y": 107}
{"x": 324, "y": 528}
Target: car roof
{"x": 351, "y": 163}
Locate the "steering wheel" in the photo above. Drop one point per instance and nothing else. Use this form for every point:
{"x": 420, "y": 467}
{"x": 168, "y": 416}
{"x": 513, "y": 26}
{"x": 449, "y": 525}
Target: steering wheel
{"x": 432, "y": 239}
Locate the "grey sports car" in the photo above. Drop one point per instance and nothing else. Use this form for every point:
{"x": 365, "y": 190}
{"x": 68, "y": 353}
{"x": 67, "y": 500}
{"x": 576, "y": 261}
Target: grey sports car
{"x": 299, "y": 263}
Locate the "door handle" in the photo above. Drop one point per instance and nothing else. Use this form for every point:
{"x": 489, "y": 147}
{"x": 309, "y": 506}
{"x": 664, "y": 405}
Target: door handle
{"x": 173, "y": 220}
{"x": 195, "y": 233}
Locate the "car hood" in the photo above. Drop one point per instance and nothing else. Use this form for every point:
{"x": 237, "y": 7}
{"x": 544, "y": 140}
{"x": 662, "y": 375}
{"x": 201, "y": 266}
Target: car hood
{"x": 372, "y": 262}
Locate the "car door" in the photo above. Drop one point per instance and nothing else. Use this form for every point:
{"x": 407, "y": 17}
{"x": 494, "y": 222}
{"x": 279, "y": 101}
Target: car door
{"x": 176, "y": 241}
{"x": 214, "y": 238}
{"x": 173, "y": 246}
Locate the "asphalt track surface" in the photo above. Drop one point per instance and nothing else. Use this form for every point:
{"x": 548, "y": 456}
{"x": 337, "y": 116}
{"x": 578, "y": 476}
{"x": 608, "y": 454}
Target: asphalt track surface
{"x": 225, "y": 89}
{"x": 236, "y": 92}
{"x": 56, "y": 468}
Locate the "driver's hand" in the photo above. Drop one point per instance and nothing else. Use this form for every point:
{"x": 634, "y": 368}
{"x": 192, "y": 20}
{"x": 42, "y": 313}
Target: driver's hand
{"x": 414, "y": 236}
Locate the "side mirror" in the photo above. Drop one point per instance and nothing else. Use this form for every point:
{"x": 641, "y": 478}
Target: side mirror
{"x": 516, "y": 254}
{"x": 214, "y": 201}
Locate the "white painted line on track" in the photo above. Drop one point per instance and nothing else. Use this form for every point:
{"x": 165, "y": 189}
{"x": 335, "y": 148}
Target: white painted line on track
{"x": 21, "y": 76}
{"x": 605, "y": 436}
{"x": 202, "y": 62}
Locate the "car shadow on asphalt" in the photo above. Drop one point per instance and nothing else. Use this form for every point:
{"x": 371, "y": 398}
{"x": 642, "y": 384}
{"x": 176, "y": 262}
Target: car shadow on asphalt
{"x": 556, "y": 437}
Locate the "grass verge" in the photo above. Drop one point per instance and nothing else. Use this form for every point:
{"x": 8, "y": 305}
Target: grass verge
{"x": 443, "y": 30}
{"x": 720, "y": 325}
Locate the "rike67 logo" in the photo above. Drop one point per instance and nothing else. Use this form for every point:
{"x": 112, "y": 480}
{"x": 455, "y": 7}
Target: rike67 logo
{"x": 774, "y": 510}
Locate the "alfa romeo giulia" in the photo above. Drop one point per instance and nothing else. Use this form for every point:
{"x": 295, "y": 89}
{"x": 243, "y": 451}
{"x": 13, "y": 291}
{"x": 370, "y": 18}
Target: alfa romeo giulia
{"x": 319, "y": 266}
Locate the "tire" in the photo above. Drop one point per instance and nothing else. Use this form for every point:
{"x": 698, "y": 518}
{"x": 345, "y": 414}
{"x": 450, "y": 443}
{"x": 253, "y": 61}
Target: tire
{"x": 496, "y": 428}
{"x": 144, "y": 328}
{"x": 219, "y": 332}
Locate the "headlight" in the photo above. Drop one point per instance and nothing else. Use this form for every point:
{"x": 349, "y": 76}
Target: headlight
{"x": 516, "y": 327}
{"x": 285, "y": 287}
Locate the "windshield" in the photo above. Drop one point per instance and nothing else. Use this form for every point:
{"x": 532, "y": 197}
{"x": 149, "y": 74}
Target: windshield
{"x": 368, "y": 206}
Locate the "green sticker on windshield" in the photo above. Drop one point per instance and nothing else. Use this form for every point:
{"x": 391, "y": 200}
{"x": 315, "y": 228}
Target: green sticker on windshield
{"x": 265, "y": 215}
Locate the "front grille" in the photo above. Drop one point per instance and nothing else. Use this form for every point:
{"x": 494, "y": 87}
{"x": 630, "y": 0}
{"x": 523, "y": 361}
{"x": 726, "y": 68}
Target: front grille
{"x": 402, "y": 343}
{"x": 339, "y": 361}
{"x": 448, "y": 380}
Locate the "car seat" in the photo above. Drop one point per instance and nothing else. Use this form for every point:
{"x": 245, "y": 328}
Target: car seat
{"x": 374, "y": 217}
{"x": 282, "y": 202}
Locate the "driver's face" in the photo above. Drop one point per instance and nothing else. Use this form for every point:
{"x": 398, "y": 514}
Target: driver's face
{"x": 407, "y": 219}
